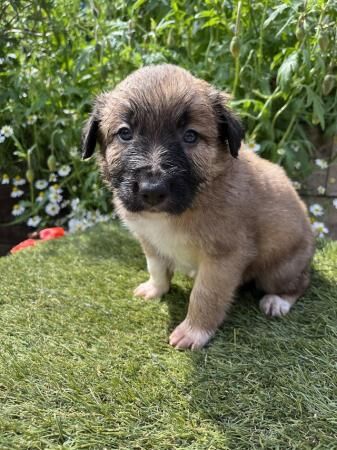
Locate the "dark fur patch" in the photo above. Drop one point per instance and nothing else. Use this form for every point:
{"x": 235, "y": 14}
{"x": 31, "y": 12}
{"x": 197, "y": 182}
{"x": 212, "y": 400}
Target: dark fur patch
{"x": 89, "y": 137}
{"x": 173, "y": 168}
{"x": 230, "y": 128}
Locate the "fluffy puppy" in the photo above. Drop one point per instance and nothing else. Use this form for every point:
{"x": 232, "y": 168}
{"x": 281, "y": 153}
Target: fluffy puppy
{"x": 169, "y": 150}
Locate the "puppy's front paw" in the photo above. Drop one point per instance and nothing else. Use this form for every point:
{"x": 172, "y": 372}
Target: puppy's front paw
{"x": 274, "y": 306}
{"x": 149, "y": 290}
{"x": 185, "y": 336}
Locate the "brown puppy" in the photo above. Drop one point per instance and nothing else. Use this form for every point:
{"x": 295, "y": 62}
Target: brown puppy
{"x": 169, "y": 150}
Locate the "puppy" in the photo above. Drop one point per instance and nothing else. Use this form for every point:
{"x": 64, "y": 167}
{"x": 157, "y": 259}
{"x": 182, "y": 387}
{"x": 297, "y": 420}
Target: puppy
{"x": 169, "y": 150}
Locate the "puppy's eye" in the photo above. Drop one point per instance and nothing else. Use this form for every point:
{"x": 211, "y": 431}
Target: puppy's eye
{"x": 190, "y": 136}
{"x": 125, "y": 134}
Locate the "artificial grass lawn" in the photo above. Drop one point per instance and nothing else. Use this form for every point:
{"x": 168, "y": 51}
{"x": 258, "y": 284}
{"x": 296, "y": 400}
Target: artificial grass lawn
{"x": 85, "y": 365}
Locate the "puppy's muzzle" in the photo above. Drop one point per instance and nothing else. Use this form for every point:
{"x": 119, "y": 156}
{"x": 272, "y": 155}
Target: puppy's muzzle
{"x": 153, "y": 192}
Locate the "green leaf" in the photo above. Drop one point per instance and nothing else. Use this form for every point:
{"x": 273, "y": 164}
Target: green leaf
{"x": 138, "y": 4}
{"x": 317, "y": 105}
{"x": 205, "y": 14}
{"x": 212, "y": 22}
{"x": 286, "y": 70}
{"x": 292, "y": 20}
{"x": 163, "y": 24}
{"x": 274, "y": 14}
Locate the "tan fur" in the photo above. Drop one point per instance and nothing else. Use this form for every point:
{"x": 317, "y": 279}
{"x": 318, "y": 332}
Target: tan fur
{"x": 246, "y": 222}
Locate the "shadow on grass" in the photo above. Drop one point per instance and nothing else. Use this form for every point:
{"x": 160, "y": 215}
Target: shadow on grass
{"x": 177, "y": 300}
{"x": 253, "y": 361}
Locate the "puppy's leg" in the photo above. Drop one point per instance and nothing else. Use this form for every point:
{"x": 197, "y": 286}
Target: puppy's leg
{"x": 160, "y": 275}
{"x": 277, "y": 305}
{"x": 283, "y": 285}
{"x": 211, "y": 297}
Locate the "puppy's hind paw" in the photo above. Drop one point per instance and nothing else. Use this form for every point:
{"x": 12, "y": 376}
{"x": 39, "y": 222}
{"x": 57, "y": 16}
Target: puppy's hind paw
{"x": 149, "y": 290}
{"x": 274, "y": 306}
{"x": 185, "y": 336}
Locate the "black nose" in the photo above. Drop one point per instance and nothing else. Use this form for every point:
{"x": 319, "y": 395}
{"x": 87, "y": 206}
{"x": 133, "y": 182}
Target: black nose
{"x": 153, "y": 192}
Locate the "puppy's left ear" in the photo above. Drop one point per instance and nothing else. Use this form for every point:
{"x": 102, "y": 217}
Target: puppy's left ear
{"x": 231, "y": 131}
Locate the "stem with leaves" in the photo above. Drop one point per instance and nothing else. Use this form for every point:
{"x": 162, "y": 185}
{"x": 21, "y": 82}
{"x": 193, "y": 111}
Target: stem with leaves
{"x": 235, "y": 49}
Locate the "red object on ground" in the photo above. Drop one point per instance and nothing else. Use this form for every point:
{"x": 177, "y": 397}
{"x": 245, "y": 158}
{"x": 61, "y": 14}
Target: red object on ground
{"x": 45, "y": 235}
{"x": 22, "y": 245}
{"x": 51, "y": 233}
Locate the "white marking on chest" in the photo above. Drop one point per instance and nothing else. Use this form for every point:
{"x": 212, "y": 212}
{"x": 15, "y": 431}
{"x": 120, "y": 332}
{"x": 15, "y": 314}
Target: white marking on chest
{"x": 171, "y": 243}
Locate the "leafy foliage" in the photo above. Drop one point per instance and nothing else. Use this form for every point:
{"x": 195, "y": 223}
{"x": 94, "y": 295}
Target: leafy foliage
{"x": 278, "y": 60}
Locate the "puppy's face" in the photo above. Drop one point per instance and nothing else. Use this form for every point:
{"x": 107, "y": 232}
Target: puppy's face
{"x": 163, "y": 135}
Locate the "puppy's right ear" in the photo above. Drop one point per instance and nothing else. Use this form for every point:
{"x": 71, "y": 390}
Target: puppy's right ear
{"x": 91, "y": 132}
{"x": 231, "y": 131}
{"x": 89, "y": 136}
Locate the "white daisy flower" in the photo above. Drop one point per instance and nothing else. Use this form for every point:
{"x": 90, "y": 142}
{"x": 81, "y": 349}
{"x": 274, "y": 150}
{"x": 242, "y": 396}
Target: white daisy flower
{"x": 31, "y": 72}
{"x": 56, "y": 188}
{"x": 281, "y": 151}
{"x": 52, "y": 178}
{"x": 297, "y": 185}
{"x": 89, "y": 215}
{"x": 319, "y": 229}
{"x": 101, "y": 217}
{"x": 297, "y": 165}
{"x": 98, "y": 216}
{"x": 316, "y": 210}
{"x": 321, "y": 190}
{"x": 254, "y": 147}
{"x": 321, "y": 163}
{"x": 7, "y": 131}
{"x": 18, "y": 181}
{"x": 54, "y": 197}
{"x": 64, "y": 170}
{"x": 16, "y": 192}
{"x": 92, "y": 216}
{"x": 41, "y": 184}
{"x": 74, "y": 153}
{"x": 5, "y": 179}
{"x": 76, "y": 225}
{"x": 40, "y": 197}
{"x": 18, "y": 209}
{"x": 34, "y": 221}
{"x": 75, "y": 203}
{"x": 52, "y": 209}
{"x": 31, "y": 119}
{"x": 334, "y": 202}
{"x": 2, "y": 138}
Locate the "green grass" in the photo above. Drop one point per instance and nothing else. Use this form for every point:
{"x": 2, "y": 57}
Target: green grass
{"x": 85, "y": 365}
